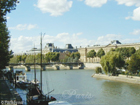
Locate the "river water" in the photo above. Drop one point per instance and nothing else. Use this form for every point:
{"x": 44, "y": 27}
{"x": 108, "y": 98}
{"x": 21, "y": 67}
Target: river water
{"x": 77, "y": 87}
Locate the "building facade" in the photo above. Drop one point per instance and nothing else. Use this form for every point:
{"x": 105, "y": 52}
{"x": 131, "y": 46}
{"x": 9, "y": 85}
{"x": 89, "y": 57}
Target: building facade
{"x": 51, "y": 48}
{"x": 114, "y": 44}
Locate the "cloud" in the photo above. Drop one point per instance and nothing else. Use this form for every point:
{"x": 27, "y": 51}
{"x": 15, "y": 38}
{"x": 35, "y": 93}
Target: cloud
{"x": 136, "y": 32}
{"x": 136, "y": 12}
{"x": 55, "y": 7}
{"x": 104, "y": 40}
{"x": 7, "y": 17}
{"x": 23, "y": 43}
{"x": 24, "y": 27}
{"x": 136, "y": 15}
{"x": 95, "y": 3}
{"x": 129, "y": 2}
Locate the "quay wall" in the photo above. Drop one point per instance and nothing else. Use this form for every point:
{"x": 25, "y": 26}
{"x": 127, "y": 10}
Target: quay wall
{"x": 91, "y": 65}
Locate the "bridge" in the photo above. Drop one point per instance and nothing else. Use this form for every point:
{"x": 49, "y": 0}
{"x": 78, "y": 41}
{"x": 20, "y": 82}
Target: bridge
{"x": 54, "y": 65}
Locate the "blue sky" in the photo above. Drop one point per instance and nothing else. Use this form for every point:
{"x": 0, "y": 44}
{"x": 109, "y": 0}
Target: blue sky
{"x": 79, "y": 22}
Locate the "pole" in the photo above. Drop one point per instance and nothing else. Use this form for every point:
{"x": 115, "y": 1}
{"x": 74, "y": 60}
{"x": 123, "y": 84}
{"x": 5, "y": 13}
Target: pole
{"x": 34, "y": 66}
{"x": 41, "y": 63}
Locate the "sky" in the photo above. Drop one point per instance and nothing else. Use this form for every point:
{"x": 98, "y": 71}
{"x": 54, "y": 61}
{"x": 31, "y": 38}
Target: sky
{"x": 76, "y": 22}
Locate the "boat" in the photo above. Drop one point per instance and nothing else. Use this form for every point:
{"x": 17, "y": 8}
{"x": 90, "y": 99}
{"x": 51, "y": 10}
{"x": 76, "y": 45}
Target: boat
{"x": 21, "y": 80}
{"x": 35, "y": 94}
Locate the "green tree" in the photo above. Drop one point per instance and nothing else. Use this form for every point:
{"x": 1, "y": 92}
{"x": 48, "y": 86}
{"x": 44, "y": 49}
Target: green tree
{"x": 111, "y": 61}
{"x": 19, "y": 57}
{"x": 75, "y": 55}
{"x": 138, "y": 51}
{"x": 134, "y": 63}
{"x": 6, "y": 6}
{"x": 91, "y": 54}
{"x": 53, "y": 56}
{"x": 132, "y": 50}
{"x": 126, "y": 51}
{"x": 98, "y": 70}
{"x": 23, "y": 57}
{"x": 100, "y": 53}
{"x": 5, "y": 54}
{"x": 14, "y": 59}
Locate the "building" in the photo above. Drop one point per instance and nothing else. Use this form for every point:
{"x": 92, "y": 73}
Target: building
{"x": 51, "y": 48}
{"x": 114, "y": 44}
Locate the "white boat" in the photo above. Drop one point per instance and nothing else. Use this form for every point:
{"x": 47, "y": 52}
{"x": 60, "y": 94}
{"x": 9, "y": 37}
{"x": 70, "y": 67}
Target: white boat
{"x": 21, "y": 79}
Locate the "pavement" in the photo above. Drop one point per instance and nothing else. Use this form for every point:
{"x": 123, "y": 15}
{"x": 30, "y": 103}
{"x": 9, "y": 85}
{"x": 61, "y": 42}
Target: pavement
{"x": 8, "y": 94}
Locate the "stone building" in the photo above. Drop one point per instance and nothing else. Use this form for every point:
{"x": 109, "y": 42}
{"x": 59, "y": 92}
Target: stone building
{"x": 106, "y": 48}
{"x": 51, "y": 48}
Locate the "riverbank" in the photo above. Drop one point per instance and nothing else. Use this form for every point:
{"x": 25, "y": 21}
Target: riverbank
{"x": 8, "y": 94}
{"x": 120, "y": 78}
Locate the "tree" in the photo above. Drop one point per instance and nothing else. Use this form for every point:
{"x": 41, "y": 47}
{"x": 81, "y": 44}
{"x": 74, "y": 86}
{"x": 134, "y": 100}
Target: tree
{"x": 134, "y": 63}
{"x": 23, "y": 57}
{"x": 138, "y": 51}
{"x": 19, "y": 57}
{"x": 111, "y": 61}
{"x": 126, "y": 51}
{"x": 6, "y": 6}
{"x": 5, "y": 54}
{"x": 91, "y": 54}
{"x": 75, "y": 55}
{"x": 132, "y": 50}
{"x": 54, "y": 56}
{"x": 98, "y": 70}
{"x": 100, "y": 53}
{"x": 14, "y": 59}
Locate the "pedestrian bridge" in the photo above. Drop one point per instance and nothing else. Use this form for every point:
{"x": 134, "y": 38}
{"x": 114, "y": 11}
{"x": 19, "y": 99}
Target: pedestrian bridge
{"x": 55, "y": 66}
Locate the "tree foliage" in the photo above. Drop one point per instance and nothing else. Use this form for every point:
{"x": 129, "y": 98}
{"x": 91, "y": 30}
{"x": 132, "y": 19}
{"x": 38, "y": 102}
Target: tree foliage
{"x": 98, "y": 70}
{"x": 111, "y": 61}
{"x": 134, "y": 63}
{"x": 71, "y": 57}
{"x": 6, "y": 6}
{"x": 5, "y": 54}
{"x": 126, "y": 51}
{"x": 138, "y": 51}
{"x": 100, "y": 53}
{"x": 52, "y": 56}
{"x": 75, "y": 55}
{"x": 91, "y": 54}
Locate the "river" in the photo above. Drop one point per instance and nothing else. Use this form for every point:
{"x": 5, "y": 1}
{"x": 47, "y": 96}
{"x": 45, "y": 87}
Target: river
{"x": 77, "y": 87}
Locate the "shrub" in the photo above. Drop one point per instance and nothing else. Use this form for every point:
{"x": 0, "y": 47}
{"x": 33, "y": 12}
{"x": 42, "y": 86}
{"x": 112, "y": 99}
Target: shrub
{"x": 98, "y": 70}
